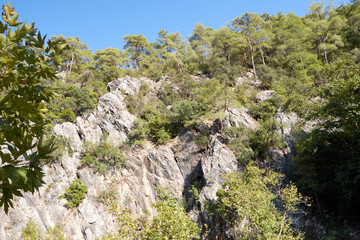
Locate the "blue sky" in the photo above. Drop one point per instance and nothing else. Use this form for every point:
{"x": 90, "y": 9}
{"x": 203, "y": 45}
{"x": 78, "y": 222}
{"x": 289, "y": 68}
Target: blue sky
{"x": 102, "y": 24}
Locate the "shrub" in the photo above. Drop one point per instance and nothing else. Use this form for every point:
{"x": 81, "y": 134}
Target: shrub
{"x": 79, "y": 100}
{"x": 31, "y": 231}
{"x": 202, "y": 140}
{"x": 102, "y": 156}
{"x": 171, "y": 222}
{"x": 75, "y": 194}
{"x": 56, "y": 233}
{"x": 161, "y": 136}
{"x": 139, "y": 132}
{"x": 264, "y": 138}
{"x": 107, "y": 196}
{"x": 263, "y": 111}
{"x": 238, "y": 140}
{"x": 131, "y": 105}
{"x": 246, "y": 203}
{"x": 67, "y": 115}
{"x": 153, "y": 126}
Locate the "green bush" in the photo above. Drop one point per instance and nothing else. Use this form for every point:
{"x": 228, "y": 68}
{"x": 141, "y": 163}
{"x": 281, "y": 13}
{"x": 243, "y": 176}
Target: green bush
{"x": 102, "y": 156}
{"x": 161, "y": 136}
{"x": 167, "y": 93}
{"x": 140, "y": 132}
{"x": 108, "y": 196}
{"x": 246, "y": 204}
{"x": 75, "y": 194}
{"x": 144, "y": 89}
{"x": 79, "y": 100}
{"x": 262, "y": 111}
{"x": 202, "y": 140}
{"x": 56, "y": 233}
{"x": 264, "y": 138}
{"x": 171, "y": 222}
{"x": 237, "y": 140}
{"x": 67, "y": 115}
{"x": 31, "y": 231}
{"x": 153, "y": 126}
{"x": 131, "y": 105}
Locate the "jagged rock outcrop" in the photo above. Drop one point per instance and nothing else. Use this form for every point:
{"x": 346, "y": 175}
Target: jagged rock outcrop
{"x": 282, "y": 158}
{"x": 177, "y": 165}
{"x": 239, "y": 117}
{"x": 131, "y": 85}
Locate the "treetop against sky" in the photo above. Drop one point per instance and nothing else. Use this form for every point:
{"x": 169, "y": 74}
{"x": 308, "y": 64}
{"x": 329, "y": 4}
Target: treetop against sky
{"x": 102, "y": 24}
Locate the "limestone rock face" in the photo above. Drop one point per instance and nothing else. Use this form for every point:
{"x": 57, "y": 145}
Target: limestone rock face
{"x": 178, "y": 165}
{"x": 219, "y": 161}
{"x": 69, "y": 131}
{"x": 282, "y": 158}
{"x": 110, "y": 116}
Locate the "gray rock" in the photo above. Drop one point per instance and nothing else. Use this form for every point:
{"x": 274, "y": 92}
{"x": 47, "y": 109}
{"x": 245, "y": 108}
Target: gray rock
{"x": 265, "y": 95}
{"x": 239, "y": 117}
{"x": 88, "y": 212}
{"x": 88, "y": 234}
{"x": 248, "y": 80}
{"x": 130, "y": 85}
{"x": 220, "y": 160}
{"x": 89, "y": 129}
{"x": 70, "y": 131}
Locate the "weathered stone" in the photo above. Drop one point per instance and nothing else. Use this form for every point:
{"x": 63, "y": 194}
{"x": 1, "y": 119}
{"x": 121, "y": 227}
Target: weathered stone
{"x": 265, "y": 95}
{"x": 69, "y": 131}
{"x": 130, "y": 85}
{"x": 239, "y": 117}
{"x": 88, "y": 212}
{"x": 248, "y": 80}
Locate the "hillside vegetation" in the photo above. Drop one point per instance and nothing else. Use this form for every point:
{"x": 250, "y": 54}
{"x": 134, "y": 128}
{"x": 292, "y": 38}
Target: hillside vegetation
{"x": 309, "y": 65}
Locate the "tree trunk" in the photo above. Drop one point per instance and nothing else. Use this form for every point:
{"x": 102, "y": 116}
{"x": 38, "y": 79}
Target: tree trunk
{"x": 137, "y": 63}
{"x": 282, "y": 225}
{"x": 325, "y": 53}
{"x": 71, "y": 62}
{"x": 262, "y": 53}
{"x": 245, "y": 57}
{"x": 228, "y": 56}
{"x": 252, "y": 57}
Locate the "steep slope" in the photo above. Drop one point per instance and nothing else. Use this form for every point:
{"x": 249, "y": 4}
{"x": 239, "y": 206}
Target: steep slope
{"x": 177, "y": 165}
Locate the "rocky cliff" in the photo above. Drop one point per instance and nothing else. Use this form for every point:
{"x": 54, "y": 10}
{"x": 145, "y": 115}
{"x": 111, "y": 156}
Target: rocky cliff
{"x": 178, "y": 165}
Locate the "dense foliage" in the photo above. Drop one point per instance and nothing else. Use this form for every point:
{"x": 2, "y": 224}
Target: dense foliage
{"x": 25, "y": 61}
{"x": 246, "y": 202}
{"x": 171, "y": 222}
{"x": 329, "y": 157}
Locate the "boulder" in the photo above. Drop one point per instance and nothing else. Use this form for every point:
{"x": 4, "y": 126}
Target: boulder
{"x": 265, "y": 95}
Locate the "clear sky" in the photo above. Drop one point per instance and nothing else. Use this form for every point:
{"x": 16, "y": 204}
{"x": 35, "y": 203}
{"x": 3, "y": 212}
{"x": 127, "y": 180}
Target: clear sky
{"x": 102, "y": 24}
